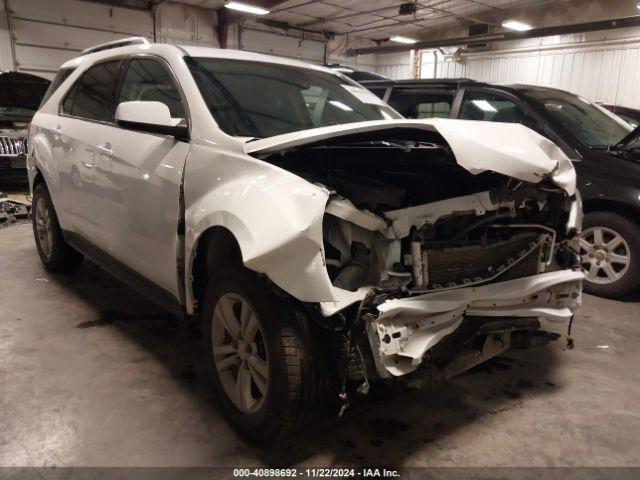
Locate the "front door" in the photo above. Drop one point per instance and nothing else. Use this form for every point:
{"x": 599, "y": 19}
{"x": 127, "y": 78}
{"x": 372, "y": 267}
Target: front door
{"x": 137, "y": 178}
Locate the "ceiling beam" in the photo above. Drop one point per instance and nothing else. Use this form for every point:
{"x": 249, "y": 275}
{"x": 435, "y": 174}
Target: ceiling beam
{"x": 616, "y": 23}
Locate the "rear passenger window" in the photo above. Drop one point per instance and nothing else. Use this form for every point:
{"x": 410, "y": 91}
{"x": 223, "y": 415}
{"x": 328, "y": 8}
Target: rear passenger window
{"x": 419, "y": 104}
{"x": 490, "y": 107}
{"x": 149, "y": 80}
{"x": 91, "y": 95}
{"x": 60, "y": 77}
{"x": 433, "y": 109}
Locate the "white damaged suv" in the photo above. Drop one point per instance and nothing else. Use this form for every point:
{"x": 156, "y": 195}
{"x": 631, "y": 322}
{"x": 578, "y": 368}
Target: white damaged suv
{"x": 324, "y": 241}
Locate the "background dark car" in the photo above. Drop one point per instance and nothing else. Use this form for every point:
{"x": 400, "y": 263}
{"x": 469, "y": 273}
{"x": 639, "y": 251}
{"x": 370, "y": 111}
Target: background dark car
{"x": 20, "y": 97}
{"x": 606, "y": 158}
{"x": 630, "y": 115}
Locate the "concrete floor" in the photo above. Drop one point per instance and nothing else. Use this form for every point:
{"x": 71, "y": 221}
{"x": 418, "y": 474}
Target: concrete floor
{"x": 92, "y": 375}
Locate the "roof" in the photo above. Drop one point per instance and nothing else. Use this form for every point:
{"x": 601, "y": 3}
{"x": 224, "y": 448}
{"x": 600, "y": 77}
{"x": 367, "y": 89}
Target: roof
{"x": 450, "y": 83}
{"x": 420, "y": 83}
{"x": 167, "y": 49}
{"x": 248, "y": 56}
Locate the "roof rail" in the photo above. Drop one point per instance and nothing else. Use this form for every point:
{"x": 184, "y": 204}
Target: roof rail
{"x": 123, "y": 42}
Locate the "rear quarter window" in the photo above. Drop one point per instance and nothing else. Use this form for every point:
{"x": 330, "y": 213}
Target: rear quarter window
{"x": 91, "y": 97}
{"x": 60, "y": 77}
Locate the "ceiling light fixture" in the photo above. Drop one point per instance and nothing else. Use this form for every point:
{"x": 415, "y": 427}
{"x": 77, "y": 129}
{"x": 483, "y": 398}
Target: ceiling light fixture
{"x": 340, "y": 105}
{"x": 484, "y": 106}
{"x": 399, "y": 39}
{"x": 243, "y": 7}
{"x": 516, "y": 25}
{"x": 638, "y": 6}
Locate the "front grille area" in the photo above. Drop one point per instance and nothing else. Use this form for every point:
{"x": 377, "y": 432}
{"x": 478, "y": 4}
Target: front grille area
{"x": 515, "y": 258}
{"x": 12, "y": 147}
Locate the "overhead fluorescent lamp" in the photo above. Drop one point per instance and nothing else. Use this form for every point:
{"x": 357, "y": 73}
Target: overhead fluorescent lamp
{"x": 484, "y": 106}
{"x": 243, "y": 7}
{"x": 343, "y": 69}
{"x": 400, "y": 39}
{"x": 638, "y": 6}
{"x": 341, "y": 106}
{"x": 516, "y": 25}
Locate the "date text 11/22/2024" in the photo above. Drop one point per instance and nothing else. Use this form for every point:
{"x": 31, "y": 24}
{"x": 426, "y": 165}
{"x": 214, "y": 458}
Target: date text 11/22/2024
{"x": 315, "y": 473}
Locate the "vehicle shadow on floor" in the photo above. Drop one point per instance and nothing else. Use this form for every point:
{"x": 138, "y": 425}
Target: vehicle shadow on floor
{"x": 380, "y": 432}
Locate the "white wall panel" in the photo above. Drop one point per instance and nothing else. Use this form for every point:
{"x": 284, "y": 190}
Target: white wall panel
{"x": 274, "y": 44}
{"x": 180, "y": 24}
{"x": 48, "y": 33}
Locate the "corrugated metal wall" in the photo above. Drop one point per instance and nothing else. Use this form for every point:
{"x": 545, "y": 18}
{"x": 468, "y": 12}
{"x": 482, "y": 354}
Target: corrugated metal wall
{"x": 605, "y": 69}
{"x": 395, "y": 66}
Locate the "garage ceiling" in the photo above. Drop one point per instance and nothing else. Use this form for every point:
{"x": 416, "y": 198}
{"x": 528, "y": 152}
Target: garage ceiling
{"x": 379, "y": 19}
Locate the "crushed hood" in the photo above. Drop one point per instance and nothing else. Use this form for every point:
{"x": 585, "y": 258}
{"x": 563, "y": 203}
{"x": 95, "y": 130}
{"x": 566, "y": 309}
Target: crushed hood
{"x": 507, "y": 148}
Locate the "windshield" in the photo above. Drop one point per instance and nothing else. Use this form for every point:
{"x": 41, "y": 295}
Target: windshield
{"x": 256, "y": 99}
{"x": 590, "y": 124}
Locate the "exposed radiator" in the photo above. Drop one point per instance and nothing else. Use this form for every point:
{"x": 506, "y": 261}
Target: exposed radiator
{"x": 514, "y": 258}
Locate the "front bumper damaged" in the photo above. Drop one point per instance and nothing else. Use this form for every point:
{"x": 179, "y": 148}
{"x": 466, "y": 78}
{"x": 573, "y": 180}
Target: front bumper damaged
{"x": 408, "y": 328}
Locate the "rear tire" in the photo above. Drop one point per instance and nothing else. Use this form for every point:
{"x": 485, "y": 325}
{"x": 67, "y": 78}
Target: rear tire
{"x": 294, "y": 383}
{"x": 610, "y": 250}
{"x": 55, "y": 253}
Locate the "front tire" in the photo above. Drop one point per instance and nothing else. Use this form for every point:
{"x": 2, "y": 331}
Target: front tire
{"x": 610, "y": 250}
{"x": 263, "y": 357}
{"x": 55, "y": 253}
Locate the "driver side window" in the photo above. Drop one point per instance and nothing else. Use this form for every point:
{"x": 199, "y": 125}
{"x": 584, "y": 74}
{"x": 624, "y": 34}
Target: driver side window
{"x": 148, "y": 80}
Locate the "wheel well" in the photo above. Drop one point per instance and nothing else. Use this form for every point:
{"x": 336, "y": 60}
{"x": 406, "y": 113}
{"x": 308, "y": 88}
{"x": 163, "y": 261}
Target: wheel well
{"x": 39, "y": 178}
{"x": 611, "y": 206}
{"x": 216, "y": 248}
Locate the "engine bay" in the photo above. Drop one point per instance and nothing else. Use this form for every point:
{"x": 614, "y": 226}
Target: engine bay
{"x": 414, "y": 244}
{"x": 421, "y": 223}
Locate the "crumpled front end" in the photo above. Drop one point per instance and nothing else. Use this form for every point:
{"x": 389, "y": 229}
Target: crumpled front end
{"x": 408, "y": 328}
{"x": 498, "y": 263}
{"x": 434, "y": 261}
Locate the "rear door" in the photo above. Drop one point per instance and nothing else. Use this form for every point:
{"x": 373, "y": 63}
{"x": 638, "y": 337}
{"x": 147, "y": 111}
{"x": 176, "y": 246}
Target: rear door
{"x": 137, "y": 178}
{"x": 86, "y": 114}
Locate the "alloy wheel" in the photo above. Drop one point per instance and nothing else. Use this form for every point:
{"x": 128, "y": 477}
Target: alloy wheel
{"x": 605, "y": 255}
{"x": 44, "y": 228}
{"x": 239, "y": 352}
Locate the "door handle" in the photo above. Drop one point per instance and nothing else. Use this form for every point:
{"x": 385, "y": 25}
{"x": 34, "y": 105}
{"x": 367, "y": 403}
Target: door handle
{"x": 57, "y": 130}
{"x": 105, "y": 149}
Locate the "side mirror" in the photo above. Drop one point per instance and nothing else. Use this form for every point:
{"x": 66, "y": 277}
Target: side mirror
{"x": 151, "y": 117}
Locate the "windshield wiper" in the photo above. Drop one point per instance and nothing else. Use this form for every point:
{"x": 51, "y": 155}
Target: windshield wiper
{"x": 622, "y": 144}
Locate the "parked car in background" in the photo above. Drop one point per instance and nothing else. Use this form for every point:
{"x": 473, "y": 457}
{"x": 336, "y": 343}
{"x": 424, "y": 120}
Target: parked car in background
{"x": 323, "y": 240}
{"x": 630, "y": 115}
{"x": 608, "y": 172}
{"x": 20, "y": 97}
